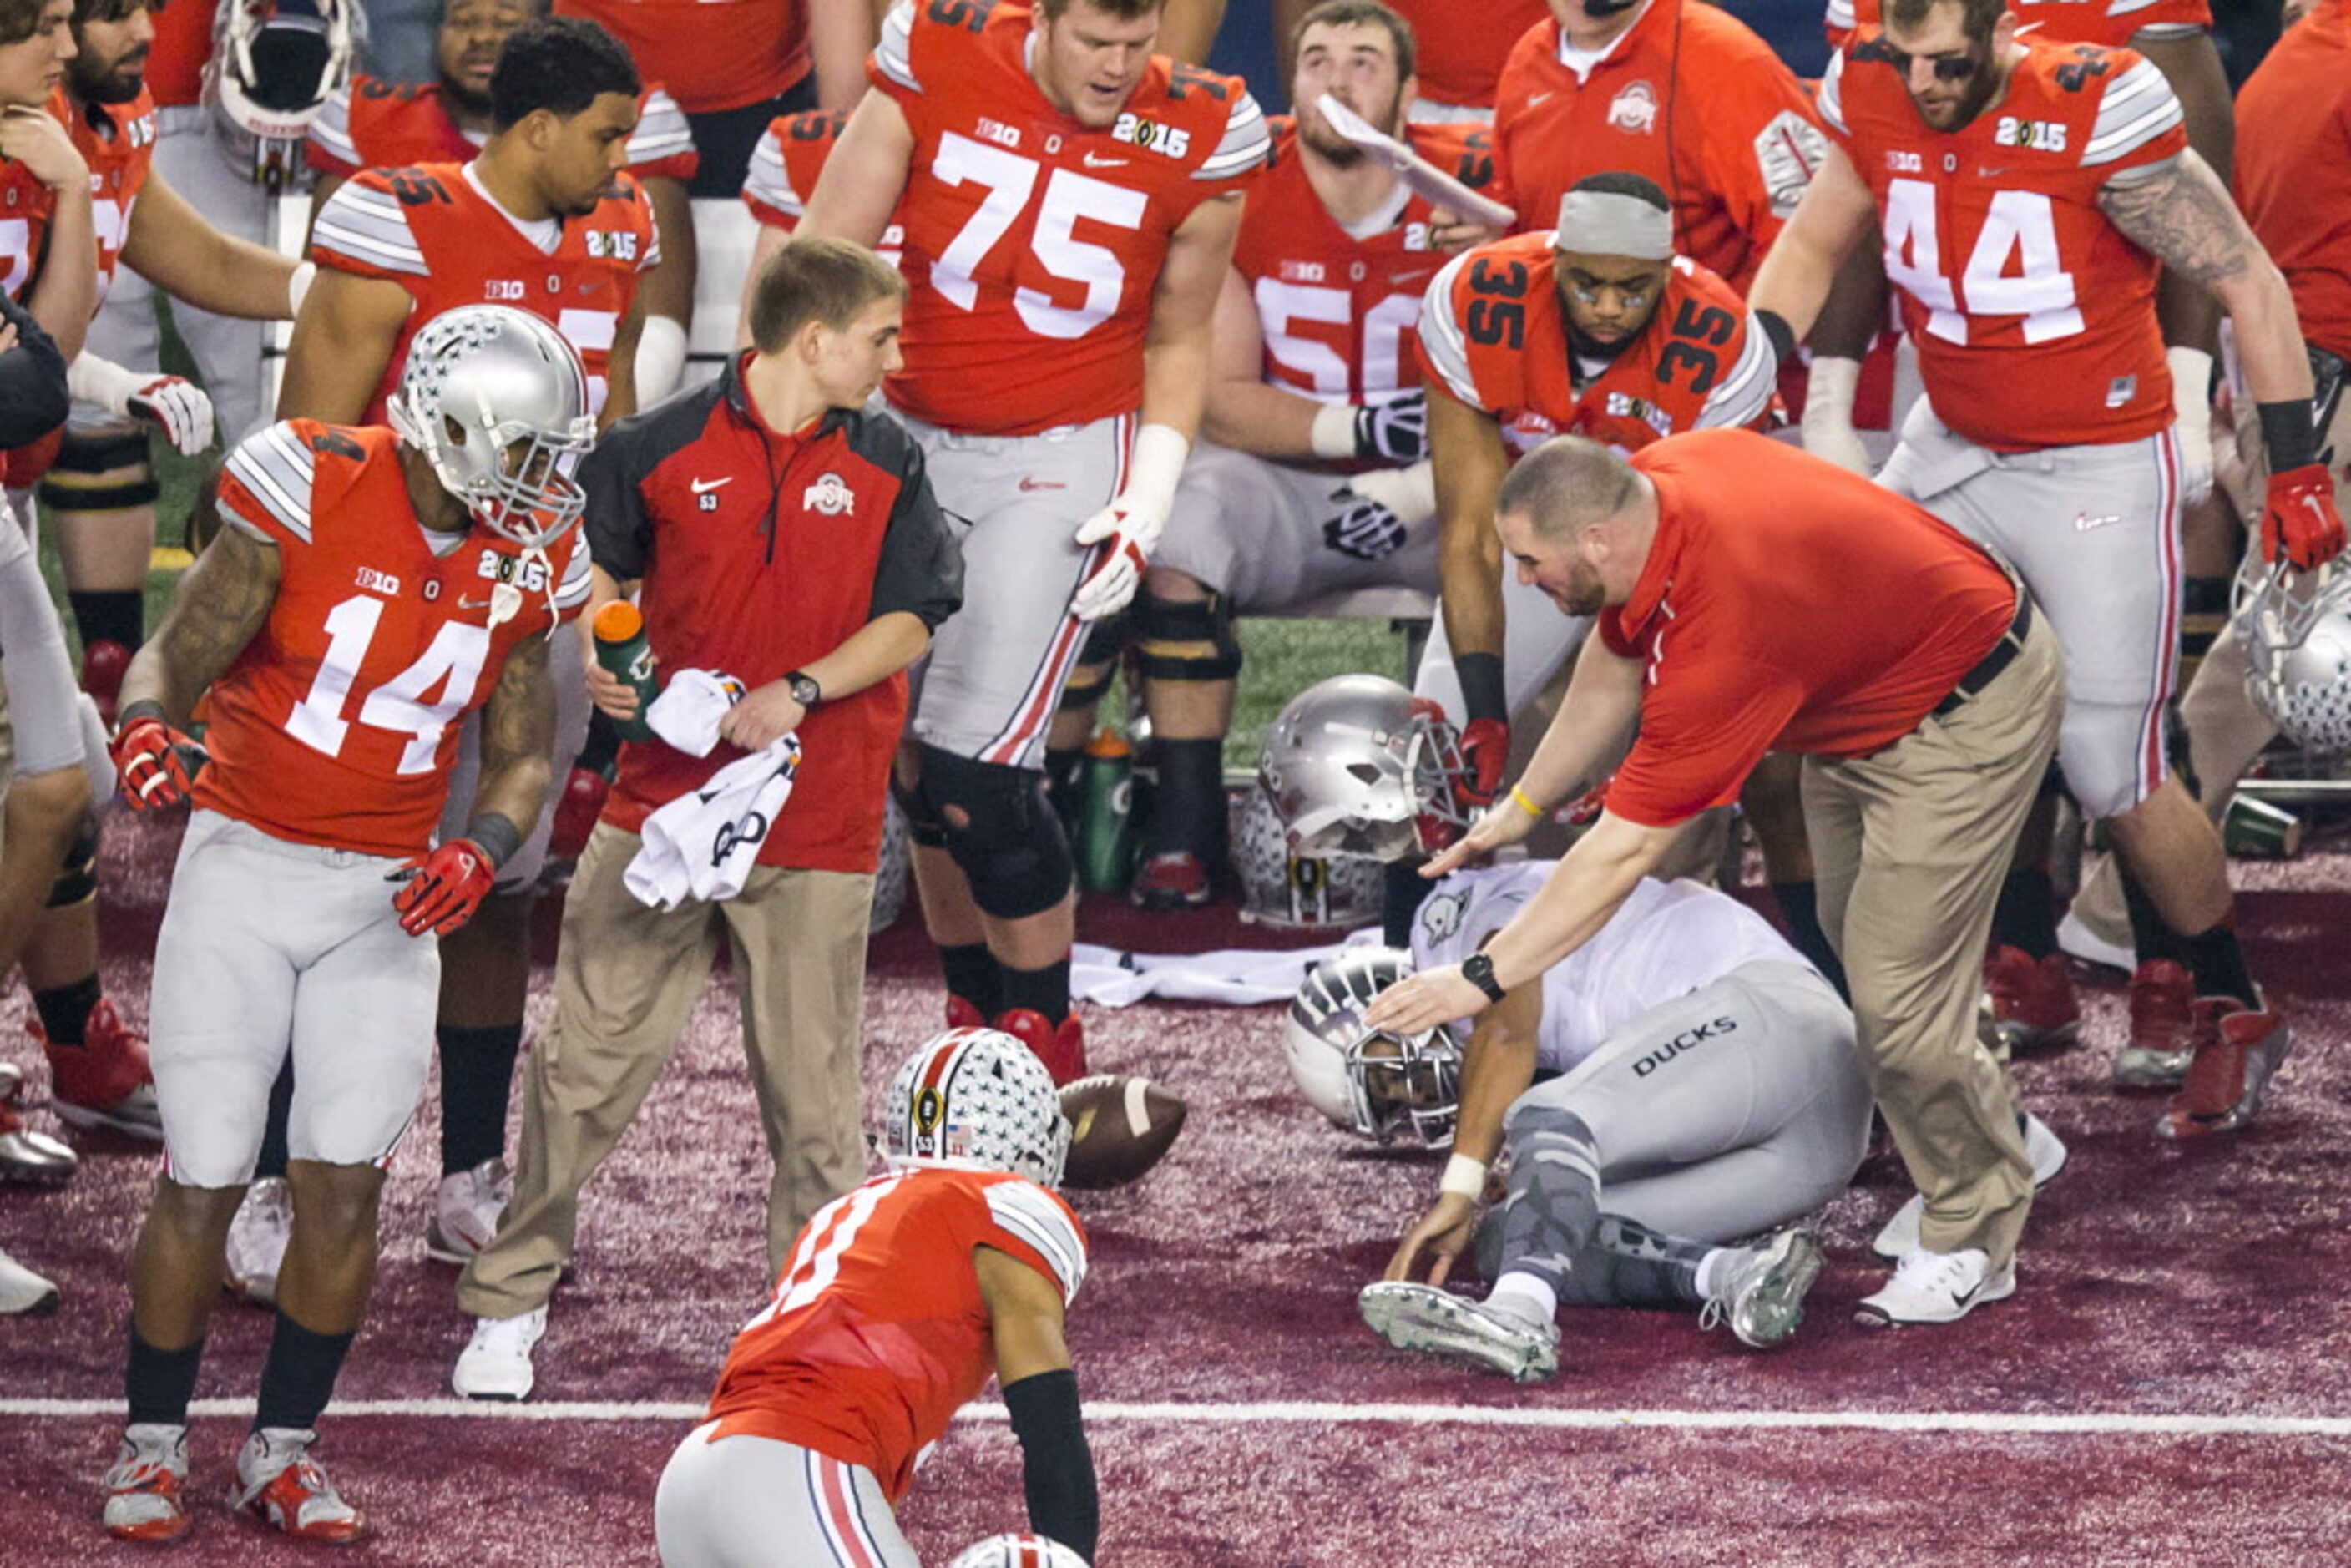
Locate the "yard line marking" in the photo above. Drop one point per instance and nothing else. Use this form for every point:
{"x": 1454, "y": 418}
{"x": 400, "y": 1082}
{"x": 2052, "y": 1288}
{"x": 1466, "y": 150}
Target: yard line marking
{"x": 1279, "y": 1413}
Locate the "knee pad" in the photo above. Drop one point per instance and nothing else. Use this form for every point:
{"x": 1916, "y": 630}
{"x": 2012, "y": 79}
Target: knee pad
{"x": 1187, "y": 641}
{"x": 76, "y": 482}
{"x": 1005, "y": 838}
{"x": 77, "y": 881}
{"x": 923, "y": 825}
{"x": 1087, "y": 683}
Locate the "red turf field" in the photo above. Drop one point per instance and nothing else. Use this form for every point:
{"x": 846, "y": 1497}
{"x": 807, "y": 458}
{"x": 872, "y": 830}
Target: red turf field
{"x": 2169, "y": 1386}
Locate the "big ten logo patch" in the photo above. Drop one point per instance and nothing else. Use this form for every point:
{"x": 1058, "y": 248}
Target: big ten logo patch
{"x": 376, "y": 582}
{"x": 503, "y": 289}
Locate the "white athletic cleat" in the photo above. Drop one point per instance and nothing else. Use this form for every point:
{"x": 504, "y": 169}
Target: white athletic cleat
{"x": 1764, "y": 1299}
{"x": 1424, "y": 1319}
{"x": 465, "y": 1215}
{"x": 1900, "y": 1236}
{"x": 144, "y": 1489}
{"x": 282, "y": 1485}
{"x": 22, "y": 1291}
{"x": 495, "y": 1364}
{"x": 1937, "y": 1288}
{"x": 257, "y": 1238}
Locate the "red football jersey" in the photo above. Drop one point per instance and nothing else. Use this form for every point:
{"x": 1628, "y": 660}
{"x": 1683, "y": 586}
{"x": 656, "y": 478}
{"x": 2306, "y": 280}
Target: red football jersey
{"x": 433, "y": 231}
{"x": 183, "y": 42}
{"x": 2293, "y": 168}
{"x": 338, "y": 723}
{"x": 1460, "y": 48}
{"x": 877, "y": 1333}
{"x": 1687, "y": 96}
{"x": 715, "y": 54}
{"x": 117, "y": 142}
{"x": 371, "y": 124}
{"x": 1338, "y": 315}
{"x": 784, "y": 169}
{"x": 1032, "y": 241}
{"x": 2033, "y": 316}
{"x": 1495, "y": 332}
{"x": 2111, "y": 22}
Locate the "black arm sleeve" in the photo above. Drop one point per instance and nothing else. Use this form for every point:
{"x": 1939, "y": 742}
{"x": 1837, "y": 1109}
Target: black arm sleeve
{"x": 620, "y": 537}
{"x": 921, "y": 568}
{"x": 1057, "y": 1468}
{"x": 33, "y": 399}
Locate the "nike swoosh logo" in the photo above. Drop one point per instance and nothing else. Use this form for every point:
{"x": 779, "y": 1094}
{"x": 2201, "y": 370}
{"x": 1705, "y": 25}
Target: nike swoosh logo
{"x": 1961, "y": 1298}
{"x": 1094, "y": 162}
{"x": 703, "y": 486}
{"x": 1535, "y": 97}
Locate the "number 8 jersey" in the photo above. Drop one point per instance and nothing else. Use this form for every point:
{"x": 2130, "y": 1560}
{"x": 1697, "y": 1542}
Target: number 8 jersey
{"x": 2033, "y": 316}
{"x": 1033, "y": 244}
{"x": 338, "y": 723}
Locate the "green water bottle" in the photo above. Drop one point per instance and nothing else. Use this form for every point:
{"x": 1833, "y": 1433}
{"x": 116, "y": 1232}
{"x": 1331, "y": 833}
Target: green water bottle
{"x": 1106, "y": 817}
{"x": 622, "y": 649}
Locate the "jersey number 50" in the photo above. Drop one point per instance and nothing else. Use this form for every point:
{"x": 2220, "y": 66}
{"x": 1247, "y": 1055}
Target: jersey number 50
{"x": 1009, "y": 180}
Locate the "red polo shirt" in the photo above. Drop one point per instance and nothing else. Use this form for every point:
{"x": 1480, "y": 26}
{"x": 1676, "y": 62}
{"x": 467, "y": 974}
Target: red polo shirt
{"x": 1787, "y": 605}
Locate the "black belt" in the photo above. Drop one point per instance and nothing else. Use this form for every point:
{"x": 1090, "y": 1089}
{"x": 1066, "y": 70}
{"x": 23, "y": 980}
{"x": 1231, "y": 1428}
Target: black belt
{"x": 1988, "y": 667}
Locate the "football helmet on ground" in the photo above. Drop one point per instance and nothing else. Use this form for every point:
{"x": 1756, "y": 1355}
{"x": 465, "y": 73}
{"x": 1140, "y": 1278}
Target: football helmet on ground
{"x": 1357, "y": 766}
{"x": 1017, "y": 1550}
{"x": 1370, "y": 1081}
{"x": 2295, "y": 626}
{"x": 274, "y": 64}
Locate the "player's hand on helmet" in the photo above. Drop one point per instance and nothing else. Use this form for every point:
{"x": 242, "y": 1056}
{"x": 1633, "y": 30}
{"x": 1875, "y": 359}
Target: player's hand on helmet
{"x": 156, "y": 763}
{"x": 1442, "y": 1234}
{"x": 2300, "y": 524}
{"x": 439, "y": 892}
{"x": 1424, "y": 1000}
{"x": 1129, "y": 528}
{"x": 1486, "y": 749}
{"x": 34, "y": 138}
{"x": 179, "y": 407}
{"x": 1395, "y": 431}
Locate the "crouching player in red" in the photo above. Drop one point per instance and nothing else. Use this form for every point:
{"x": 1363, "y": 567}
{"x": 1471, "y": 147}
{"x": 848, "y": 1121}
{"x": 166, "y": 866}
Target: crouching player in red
{"x": 370, "y": 587}
{"x": 900, "y": 1299}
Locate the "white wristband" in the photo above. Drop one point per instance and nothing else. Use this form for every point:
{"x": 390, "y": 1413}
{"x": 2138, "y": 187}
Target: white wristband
{"x": 1156, "y": 464}
{"x": 2191, "y": 389}
{"x": 297, "y": 286}
{"x": 1463, "y": 1178}
{"x": 102, "y": 382}
{"x": 1334, "y": 436}
{"x": 1829, "y": 388}
{"x": 660, "y": 362}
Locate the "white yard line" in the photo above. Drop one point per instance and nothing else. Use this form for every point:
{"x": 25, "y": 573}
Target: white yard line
{"x": 1304, "y": 1413}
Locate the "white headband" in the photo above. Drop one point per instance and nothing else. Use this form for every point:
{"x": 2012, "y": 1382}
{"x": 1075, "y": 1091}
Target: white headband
{"x": 1605, "y": 223}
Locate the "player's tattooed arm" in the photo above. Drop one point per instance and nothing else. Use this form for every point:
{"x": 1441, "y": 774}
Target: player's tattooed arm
{"x": 222, "y": 602}
{"x": 517, "y": 732}
{"x": 2180, "y": 212}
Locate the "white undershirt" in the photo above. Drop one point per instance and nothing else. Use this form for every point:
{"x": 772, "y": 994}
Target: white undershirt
{"x": 546, "y": 234}
{"x": 1582, "y": 62}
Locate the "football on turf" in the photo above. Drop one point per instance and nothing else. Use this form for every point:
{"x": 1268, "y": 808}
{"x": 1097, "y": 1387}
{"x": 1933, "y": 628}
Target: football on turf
{"x": 1119, "y": 1128}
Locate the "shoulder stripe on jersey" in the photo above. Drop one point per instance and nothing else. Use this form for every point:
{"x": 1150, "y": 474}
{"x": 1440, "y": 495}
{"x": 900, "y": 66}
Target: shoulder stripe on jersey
{"x": 2138, "y": 107}
{"x": 1028, "y": 1213}
{"x": 1841, "y": 14}
{"x": 369, "y": 226}
{"x": 332, "y": 128}
{"x": 1247, "y": 141}
{"x": 1441, "y": 334}
{"x": 1830, "y": 99}
{"x": 894, "y": 56}
{"x": 768, "y": 181}
{"x": 2125, "y": 7}
{"x": 1741, "y": 397}
{"x": 278, "y": 468}
{"x": 662, "y": 130}
{"x": 573, "y": 589}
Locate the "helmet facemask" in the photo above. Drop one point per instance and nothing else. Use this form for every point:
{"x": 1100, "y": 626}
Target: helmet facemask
{"x": 1407, "y": 1082}
{"x": 274, "y": 64}
{"x": 2295, "y": 626}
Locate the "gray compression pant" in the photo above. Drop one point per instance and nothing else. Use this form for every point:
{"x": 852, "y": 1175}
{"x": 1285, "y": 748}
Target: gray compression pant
{"x": 745, "y": 1501}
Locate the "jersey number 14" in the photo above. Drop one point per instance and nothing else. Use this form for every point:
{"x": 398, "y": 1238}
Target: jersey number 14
{"x": 453, "y": 662}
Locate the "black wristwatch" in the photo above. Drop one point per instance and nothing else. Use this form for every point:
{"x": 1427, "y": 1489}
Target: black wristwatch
{"x": 805, "y": 691}
{"x": 1479, "y": 970}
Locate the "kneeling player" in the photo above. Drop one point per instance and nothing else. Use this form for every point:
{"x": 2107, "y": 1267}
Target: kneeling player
{"x": 901, "y": 1298}
{"x": 370, "y": 588}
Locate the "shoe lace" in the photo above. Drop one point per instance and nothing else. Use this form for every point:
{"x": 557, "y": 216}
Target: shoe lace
{"x": 1709, "y": 1316}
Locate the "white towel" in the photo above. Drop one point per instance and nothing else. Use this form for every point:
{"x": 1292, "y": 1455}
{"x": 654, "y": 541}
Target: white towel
{"x": 691, "y": 704}
{"x": 1237, "y": 977}
{"x": 702, "y": 845}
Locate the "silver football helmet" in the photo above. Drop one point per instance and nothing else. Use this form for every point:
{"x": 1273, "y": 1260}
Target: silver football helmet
{"x": 977, "y": 1099}
{"x": 2296, "y": 627}
{"x": 1372, "y": 1082}
{"x": 1293, "y": 892}
{"x": 274, "y": 64}
{"x": 496, "y": 399}
{"x": 1018, "y": 1549}
{"x": 1357, "y": 767}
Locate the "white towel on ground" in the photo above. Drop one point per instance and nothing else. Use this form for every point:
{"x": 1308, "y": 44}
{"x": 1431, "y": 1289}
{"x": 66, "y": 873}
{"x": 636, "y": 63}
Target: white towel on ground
{"x": 1237, "y": 977}
{"x": 702, "y": 844}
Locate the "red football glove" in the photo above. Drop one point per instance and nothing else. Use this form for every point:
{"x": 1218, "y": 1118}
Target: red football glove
{"x": 2300, "y": 524}
{"x": 439, "y": 892}
{"x": 1485, "y": 747}
{"x": 156, "y": 763}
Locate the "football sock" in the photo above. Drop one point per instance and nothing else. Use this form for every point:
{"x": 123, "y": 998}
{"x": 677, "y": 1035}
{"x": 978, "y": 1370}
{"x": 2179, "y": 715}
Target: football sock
{"x": 298, "y": 1378}
{"x": 1044, "y": 991}
{"x": 1187, "y": 809}
{"x": 2025, "y": 917}
{"x": 973, "y": 974}
{"x": 2218, "y": 963}
{"x": 158, "y": 1383}
{"x": 2151, "y": 937}
{"x": 113, "y": 616}
{"x": 1065, "y": 771}
{"x": 1553, "y": 1208}
{"x": 272, "y": 1160}
{"x": 1799, "y": 907}
{"x": 64, "y": 1010}
{"x": 477, "y": 1074}
{"x": 1525, "y": 1294}
{"x": 1402, "y": 888}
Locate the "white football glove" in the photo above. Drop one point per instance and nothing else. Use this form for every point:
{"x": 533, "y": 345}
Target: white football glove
{"x": 1129, "y": 526}
{"x": 1828, "y": 427}
{"x": 174, "y": 404}
{"x": 2191, "y": 406}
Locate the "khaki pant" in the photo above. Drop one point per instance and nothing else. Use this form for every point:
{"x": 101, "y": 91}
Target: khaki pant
{"x": 1909, "y": 846}
{"x": 625, "y": 978}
